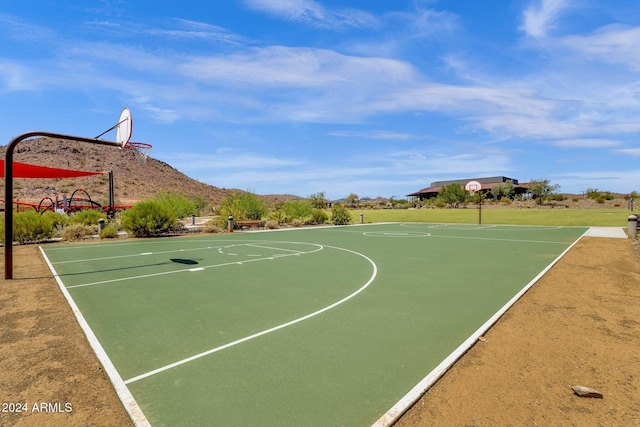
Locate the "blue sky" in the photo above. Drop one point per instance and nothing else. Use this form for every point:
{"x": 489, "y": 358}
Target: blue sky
{"x": 376, "y": 97}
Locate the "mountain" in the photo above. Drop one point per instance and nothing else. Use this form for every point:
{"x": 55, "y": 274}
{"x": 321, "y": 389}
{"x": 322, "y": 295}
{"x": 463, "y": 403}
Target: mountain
{"x": 133, "y": 181}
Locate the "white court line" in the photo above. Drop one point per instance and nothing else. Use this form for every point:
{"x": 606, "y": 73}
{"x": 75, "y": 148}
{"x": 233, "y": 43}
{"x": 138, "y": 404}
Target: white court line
{"x": 404, "y": 404}
{"x": 142, "y": 276}
{"x": 267, "y": 331}
{"x": 125, "y": 396}
{"x": 498, "y": 240}
{"x": 134, "y": 255}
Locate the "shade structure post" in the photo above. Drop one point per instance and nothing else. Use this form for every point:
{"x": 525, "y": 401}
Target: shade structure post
{"x": 8, "y": 187}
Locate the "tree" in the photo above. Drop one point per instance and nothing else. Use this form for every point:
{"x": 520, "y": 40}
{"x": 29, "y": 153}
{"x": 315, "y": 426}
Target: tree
{"x": 318, "y": 200}
{"x": 453, "y": 195}
{"x": 503, "y": 190}
{"x": 542, "y": 188}
{"x": 352, "y": 199}
{"x": 243, "y": 206}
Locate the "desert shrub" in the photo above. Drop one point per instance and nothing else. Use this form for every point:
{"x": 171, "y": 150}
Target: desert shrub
{"x": 505, "y": 200}
{"x": 88, "y": 217}
{"x": 272, "y": 224}
{"x": 149, "y": 218}
{"x": 318, "y": 216}
{"x": 181, "y": 205}
{"x": 30, "y": 226}
{"x": 75, "y": 232}
{"x": 59, "y": 219}
{"x": 296, "y": 209}
{"x": 242, "y": 206}
{"x": 278, "y": 216}
{"x": 296, "y": 222}
{"x": 109, "y": 232}
{"x": 340, "y": 215}
{"x": 211, "y": 226}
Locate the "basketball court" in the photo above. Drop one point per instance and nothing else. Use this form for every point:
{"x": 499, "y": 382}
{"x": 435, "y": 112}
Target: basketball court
{"x": 323, "y": 326}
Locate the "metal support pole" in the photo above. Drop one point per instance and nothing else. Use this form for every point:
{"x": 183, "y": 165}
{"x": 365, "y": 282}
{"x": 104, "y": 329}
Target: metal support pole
{"x": 8, "y": 187}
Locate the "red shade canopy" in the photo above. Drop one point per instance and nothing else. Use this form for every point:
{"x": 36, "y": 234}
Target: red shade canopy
{"x": 24, "y": 170}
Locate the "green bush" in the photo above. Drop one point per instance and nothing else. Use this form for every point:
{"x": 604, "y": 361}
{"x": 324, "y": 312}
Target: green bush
{"x": 109, "y": 232}
{"x": 30, "y": 227}
{"x": 318, "y": 216}
{"x": 242, "y": 206}
{"x": 149, "y": 218}
{"x": 340, "y": 215}
{"x": 181, "y": 205}
{"x": 278, "y": 216}
{"x": 296, "y": 209}
{"x": 88, "y": 217}
{"x": 74, "y": 232}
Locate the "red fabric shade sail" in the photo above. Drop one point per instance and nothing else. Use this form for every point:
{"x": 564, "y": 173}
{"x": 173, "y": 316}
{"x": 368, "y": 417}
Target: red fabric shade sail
{"x": 24, "y": 170}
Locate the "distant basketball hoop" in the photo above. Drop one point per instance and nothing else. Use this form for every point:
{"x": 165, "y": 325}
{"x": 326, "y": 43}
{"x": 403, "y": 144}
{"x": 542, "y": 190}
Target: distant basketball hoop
{"x": 474, "y": 187}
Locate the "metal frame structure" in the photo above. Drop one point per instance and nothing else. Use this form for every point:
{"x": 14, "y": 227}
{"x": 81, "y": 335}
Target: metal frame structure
{"x": 8, "y": 186}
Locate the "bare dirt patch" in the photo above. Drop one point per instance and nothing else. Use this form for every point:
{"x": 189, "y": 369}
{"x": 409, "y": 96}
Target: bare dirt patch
{"x": 579, "y": 325}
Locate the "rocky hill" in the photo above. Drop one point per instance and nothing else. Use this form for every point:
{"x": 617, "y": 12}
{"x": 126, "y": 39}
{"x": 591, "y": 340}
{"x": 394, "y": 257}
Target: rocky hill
{"x": 133, "y": 181}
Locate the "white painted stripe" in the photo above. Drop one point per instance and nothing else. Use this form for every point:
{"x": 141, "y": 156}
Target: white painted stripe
{"x": 196, "y": 269}
{"x": 267, "y": 331}
{"x": 129, "y": 403}
{"x": 404, "y": 404}
{"x": 122, "y": 279}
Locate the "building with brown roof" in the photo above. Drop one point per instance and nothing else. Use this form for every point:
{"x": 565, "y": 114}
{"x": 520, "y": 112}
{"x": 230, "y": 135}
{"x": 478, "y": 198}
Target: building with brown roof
{"x": 487, "y": 183}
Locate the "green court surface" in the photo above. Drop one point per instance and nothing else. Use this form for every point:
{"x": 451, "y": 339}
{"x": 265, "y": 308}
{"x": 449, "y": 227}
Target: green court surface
{"x": 327, "y": 326}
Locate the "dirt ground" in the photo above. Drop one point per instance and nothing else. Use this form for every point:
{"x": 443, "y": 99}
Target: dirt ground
{"x": 579, "y": 325}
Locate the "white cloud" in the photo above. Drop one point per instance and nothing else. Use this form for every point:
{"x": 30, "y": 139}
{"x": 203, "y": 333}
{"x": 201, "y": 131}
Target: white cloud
{"x": 585, "y": 143}
{"x": 313, "y": 13}
{"x": 633, "y": 152}
{"x": 542, "y": 15}
{"x": 613, "y": 44}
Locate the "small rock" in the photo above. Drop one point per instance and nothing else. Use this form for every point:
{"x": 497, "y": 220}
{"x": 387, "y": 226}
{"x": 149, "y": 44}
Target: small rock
{"x": 586, "y": 391}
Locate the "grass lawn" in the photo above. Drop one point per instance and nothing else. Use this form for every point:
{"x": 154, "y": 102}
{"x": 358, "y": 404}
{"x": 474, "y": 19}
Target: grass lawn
{"x": 558, "y": 216}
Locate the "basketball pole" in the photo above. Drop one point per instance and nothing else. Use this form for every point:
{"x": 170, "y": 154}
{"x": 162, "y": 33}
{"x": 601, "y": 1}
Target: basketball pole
{"x": 479, "y": 207}
{"x": 8, "y": 187}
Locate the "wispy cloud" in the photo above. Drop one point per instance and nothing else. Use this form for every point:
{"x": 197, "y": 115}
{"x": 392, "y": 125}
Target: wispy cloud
{"x": 542, "y": 15}
{"x": 614, "y": 44}
{"x": 313, "y": 13}
{"x": 585, "y": 143}
{"x": 372, "y": 134}
{"x": 633, "y": 152}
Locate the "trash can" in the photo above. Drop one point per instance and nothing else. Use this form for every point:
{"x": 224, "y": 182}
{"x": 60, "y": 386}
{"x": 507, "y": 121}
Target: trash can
{"x": 632, "y": 226}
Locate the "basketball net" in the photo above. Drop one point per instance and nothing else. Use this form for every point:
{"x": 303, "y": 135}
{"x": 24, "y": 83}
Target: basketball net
{"x": 140, "y": 149}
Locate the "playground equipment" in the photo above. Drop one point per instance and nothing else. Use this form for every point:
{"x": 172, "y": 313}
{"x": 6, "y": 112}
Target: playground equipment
{"x": 123, "y": 135}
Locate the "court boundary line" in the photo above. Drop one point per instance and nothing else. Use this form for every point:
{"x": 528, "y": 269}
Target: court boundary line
{"x": 191, "y": 269}
{"x": 267, "y": 331}
{"x": 124, "y": 394}
{"x": 412, "y": 397}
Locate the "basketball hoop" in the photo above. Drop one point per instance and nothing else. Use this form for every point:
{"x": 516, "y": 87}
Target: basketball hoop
{"x": 140, "y": 149}
{"x": 124, "y": 128}
{"x": 473, "y": 187}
